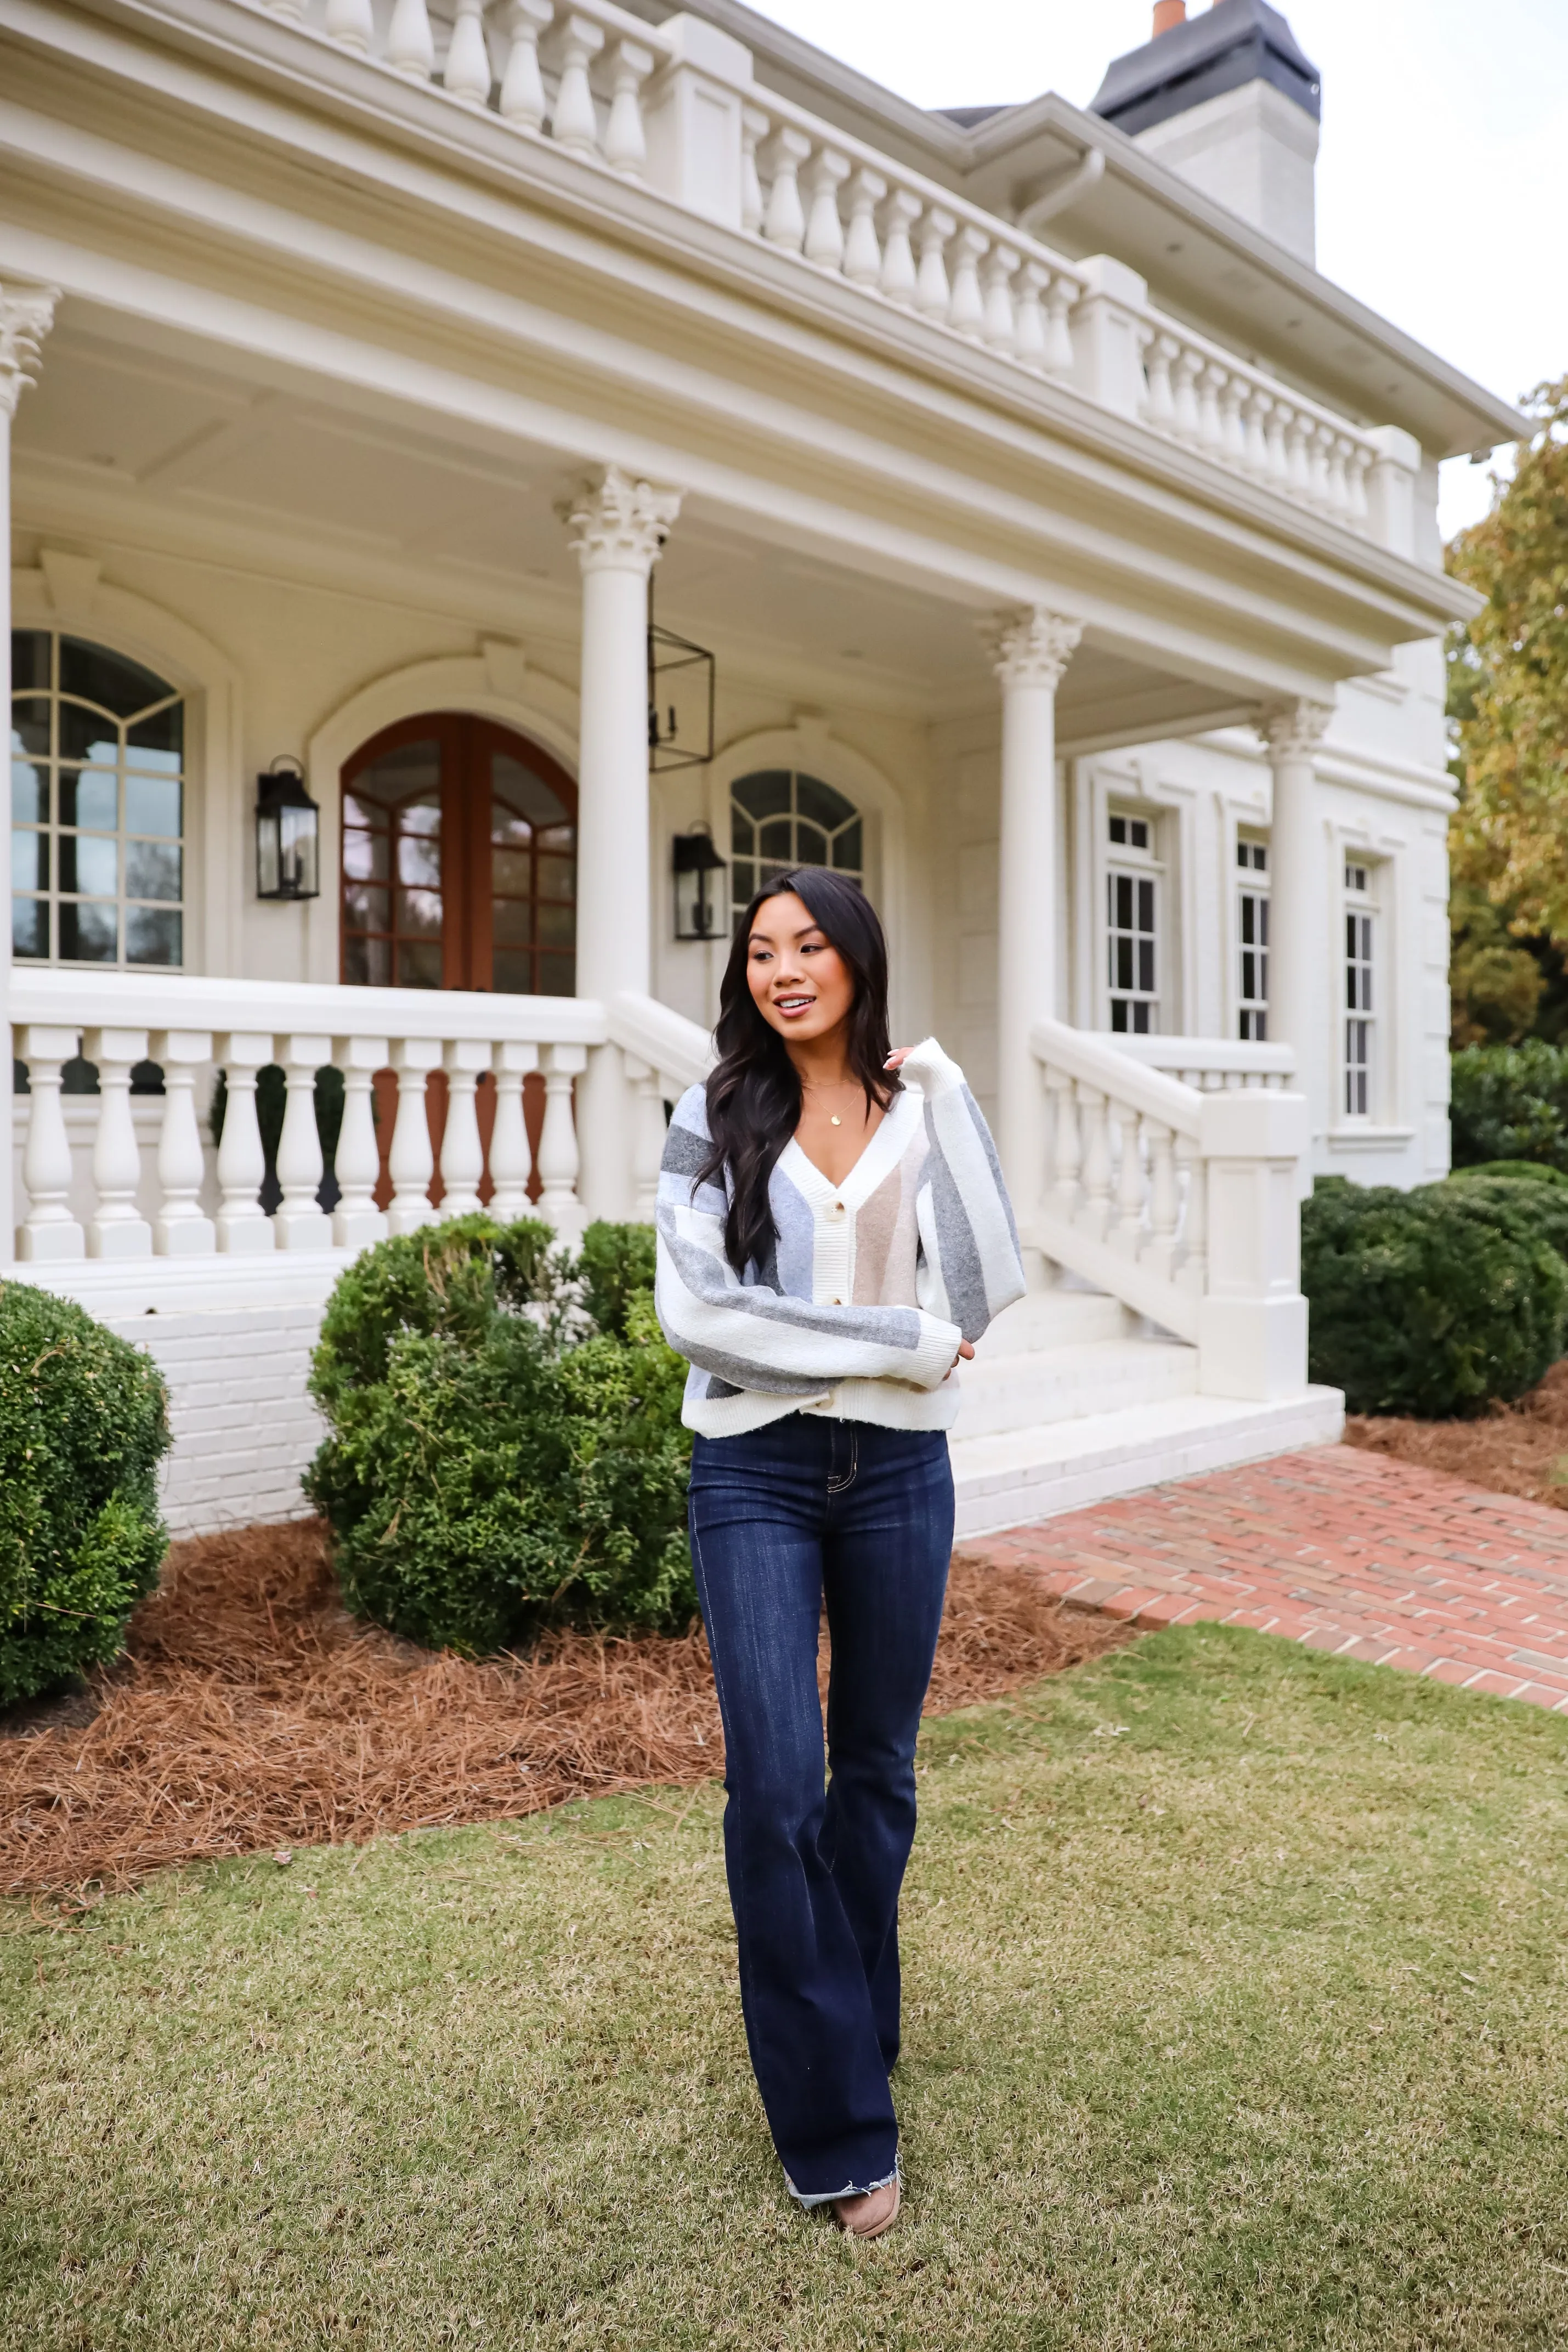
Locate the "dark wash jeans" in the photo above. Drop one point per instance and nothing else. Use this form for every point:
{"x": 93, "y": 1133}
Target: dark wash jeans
{"x": 804, "y": 1510}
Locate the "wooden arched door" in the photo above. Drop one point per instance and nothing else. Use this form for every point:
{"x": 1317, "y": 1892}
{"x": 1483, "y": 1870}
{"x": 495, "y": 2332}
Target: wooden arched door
{"x": 459, "y": 860}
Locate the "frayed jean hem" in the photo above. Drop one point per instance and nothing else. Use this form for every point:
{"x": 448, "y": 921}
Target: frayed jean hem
{"x": 832, "y": 2196}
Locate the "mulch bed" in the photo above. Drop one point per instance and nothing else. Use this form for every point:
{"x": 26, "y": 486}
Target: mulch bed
{"x": 1514, "y": 1449}
{"x": 252, "y": 1712}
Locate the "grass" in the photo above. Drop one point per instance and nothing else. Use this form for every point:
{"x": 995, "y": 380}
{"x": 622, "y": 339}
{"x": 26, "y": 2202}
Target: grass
{"x": 1234, "y": 2011}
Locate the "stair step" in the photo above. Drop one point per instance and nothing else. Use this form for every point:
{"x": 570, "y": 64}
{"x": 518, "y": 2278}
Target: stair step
{"x": 1003, "y": 1394}
{"x": 1055, "y": 1318}
{"x": 1009, "y": 1480}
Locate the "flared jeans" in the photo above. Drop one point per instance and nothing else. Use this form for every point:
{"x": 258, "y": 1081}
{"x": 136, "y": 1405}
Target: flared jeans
{"x": 808, "y": 1511}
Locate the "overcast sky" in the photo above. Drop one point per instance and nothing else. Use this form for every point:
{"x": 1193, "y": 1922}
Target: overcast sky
{"x": 1440, "y": 177}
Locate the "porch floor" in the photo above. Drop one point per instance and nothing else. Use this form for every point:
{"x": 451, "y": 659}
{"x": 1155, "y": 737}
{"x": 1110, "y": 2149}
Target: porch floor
{"x": 1342, "y": 1550}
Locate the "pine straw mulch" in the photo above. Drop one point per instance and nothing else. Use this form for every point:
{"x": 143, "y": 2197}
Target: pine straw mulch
{"x": 1514, "y": 1449}
{"x": 252, "y": 1711}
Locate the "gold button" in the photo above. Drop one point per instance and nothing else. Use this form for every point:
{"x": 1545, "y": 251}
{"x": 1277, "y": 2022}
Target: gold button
{"x": 837, "y": 1208}
{"x": 835, "y": 1302}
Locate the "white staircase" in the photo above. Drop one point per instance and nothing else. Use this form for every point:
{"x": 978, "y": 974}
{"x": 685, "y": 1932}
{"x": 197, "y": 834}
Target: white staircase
{"x": 1073, "y": 1398}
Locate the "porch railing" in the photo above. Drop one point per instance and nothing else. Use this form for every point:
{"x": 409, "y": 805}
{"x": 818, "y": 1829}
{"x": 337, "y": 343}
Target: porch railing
{"x": 434, "y": 1112}
{"x": 1210, "y": 1065}
{"x": 674, "y": 108}
{"x": 1180, "y": 1200}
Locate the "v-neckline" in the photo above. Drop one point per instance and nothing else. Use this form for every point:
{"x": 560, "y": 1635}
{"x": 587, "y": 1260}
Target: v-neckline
{"x": 839, "y": 1189}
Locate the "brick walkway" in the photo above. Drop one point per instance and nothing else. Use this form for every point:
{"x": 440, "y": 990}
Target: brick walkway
{"x": 1343, "y": 1550}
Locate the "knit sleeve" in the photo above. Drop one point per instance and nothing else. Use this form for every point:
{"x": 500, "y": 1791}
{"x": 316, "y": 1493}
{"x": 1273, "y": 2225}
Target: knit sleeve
{"x": 972, "y": 1265}
{"x": 750, "y": 1335}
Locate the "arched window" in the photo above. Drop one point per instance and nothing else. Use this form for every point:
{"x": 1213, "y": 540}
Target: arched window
{"x": 97, "y": 803}
{"x": 781, "y": 818}
{"x": 459, "y": 860}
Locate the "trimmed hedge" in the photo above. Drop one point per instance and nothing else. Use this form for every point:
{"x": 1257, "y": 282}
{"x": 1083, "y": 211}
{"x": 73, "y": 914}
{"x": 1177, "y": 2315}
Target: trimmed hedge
{"x": 506, "y": 1449}
{"x": 1510, "y": 1102}
{"x": 1437, "y": 1301}
{"x": 83, "y": 1426}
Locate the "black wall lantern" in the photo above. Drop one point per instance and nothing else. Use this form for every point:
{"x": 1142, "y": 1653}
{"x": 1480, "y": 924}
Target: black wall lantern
{"x": 701, "y": 896}
{"x": 287, "y": 834}
{"x": 681, "y": 678}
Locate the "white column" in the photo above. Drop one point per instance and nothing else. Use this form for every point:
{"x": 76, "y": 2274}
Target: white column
{"x": 557, "y": 1153}
{"x": 117, "y": 1229}
{"x": 357, "y": 1222}
{"x": 462, "y": 1153}
{"x": 51, "y": 1232}
{"x": 1031, "y": 650}
{"x": 244, "y": 1229}
{"x": 26, "y": 313}
{"x": 617, "y": 527}
{"x": 647, "y": 1138}
{"x": 510, "y": 1162}
{"x": 180, "y": 1229}
{"x": 301, "y": 1223}
{"x": 1301, "y": 992}
{"x": 411, "y": 1163}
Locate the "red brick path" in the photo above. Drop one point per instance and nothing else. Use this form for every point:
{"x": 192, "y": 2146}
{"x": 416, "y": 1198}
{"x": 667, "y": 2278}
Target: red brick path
{"x": 1346, "y": 1551}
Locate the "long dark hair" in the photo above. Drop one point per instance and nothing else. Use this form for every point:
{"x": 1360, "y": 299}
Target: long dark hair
{"x": 754, "y": 1094}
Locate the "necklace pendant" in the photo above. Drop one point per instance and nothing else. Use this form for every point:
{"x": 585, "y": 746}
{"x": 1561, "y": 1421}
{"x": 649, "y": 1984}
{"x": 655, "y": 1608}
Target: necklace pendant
{"x": 835, "y": 1120}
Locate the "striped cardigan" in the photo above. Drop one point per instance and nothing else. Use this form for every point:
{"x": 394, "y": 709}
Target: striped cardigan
{"x": 859, "y": 1309}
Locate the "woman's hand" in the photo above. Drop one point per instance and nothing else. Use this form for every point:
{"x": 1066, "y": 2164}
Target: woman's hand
{"x": 965, "y": 1355}
{"x": 899, "y": 1055}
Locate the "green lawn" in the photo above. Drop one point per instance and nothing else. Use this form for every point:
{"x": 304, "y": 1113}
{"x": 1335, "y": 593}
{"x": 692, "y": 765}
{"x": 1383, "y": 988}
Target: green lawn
{"x": 1236, "y": 2016}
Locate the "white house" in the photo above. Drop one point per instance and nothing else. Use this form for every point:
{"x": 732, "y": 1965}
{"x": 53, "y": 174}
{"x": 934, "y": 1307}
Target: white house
{"x": 1066, "y": 551}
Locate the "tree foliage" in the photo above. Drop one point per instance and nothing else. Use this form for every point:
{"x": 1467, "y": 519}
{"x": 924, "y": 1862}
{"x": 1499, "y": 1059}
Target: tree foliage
{"x": 1508, "y": 702}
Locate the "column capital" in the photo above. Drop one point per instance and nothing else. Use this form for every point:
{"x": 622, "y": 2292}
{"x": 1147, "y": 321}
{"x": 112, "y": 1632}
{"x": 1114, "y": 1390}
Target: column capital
{"x": 617, "y": 524}
{"x": 1031, "y": 647}
{"x": 27, "y": 314}
{"x": 1294, "y": 730}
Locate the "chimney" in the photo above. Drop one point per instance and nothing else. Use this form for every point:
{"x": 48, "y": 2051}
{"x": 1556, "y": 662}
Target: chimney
{"x": 1228, "y": 100}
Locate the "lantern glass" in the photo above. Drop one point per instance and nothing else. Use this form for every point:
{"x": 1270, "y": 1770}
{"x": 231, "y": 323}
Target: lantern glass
{"x": 287, "y": 839}
{"x": 702, "y": 886}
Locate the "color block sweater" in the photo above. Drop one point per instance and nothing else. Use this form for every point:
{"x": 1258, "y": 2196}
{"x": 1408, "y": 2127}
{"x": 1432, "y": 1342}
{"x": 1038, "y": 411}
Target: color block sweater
{"x": 871, "y": 1284}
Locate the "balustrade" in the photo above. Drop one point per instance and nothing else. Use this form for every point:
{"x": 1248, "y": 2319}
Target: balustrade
{"x": 119, "y": 1195}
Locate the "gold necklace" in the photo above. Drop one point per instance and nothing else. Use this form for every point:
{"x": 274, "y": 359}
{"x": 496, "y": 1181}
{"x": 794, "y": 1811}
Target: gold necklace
{"x": 838, "y": 1088}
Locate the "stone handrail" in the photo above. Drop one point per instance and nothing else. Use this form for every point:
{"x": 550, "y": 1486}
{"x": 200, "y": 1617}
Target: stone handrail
{"x": 1210, "y": 1063}
{"x": 1180, "y": 1202}
{"x": 184, "y": 1205}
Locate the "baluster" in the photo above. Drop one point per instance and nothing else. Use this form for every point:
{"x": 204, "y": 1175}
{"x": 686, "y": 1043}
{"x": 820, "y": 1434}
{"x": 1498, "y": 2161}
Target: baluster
{"x": 510, "y": 1160}
{"x": 784, "y": 221}
{"x": 1338, "y": 477}
{"x": 1277, "y": 431}
{"x": 753, "y": 127}
{"x": 1195, "y": 1224}
{"x": 1210, "y": 430}
{"x": 467, "y": 74}
{"x": 411, "y": 46}
{"x": 356, "y": 1221}
{"x": 244, "y": 1229}
{"x": 1232, "y": 432}
{"x": 966, "y": 305}
{"x": 862, "y": 252}
{"x": 573, "y": 124}
{"x": 1188, "y": 368}
{"x": 1358, "y": 466}
{"x": 1164, "y": 1204}
{"x": 462, "y": 1153}
{"x": 180, "y": 1229}
{"x": 1320, "y": 452}
{"x": 522, "y": 85}
{"x": 1059, "y": 302}
{"x": 1094, "y": 1214}
{"x": 351, "y": 24}
{"x": 1254, "y": 433}
{"x": 557, "y": 1156}
{"x": 291, "y": 11}
{"x": 411, "y": 1163}
{"x": 1299, "y": 440}
{"x": 117, "y": 1229}
{"x": 824, "y": 230}
{"x": 1159, "y": 406}
{"x": 1129, "y": 1182}
{"x": 50, "y": 1235}
{"x": 899, "y": 278}
{"x": 1067, "y": 1146}
{"x": 625, "y": 147}
{"x": 301, "y": 1220}
{"x": 647, "y": 1136}
{"x": 933, "y": 294}
{"x": 1029, "y": 318}
{"x": 996, "y": 319}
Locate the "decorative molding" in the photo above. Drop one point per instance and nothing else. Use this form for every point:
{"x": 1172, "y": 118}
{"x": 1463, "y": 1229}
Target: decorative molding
{"x": 72, "y": 582}
{"x": 1295, "y": 730}
{"x": 1031, "y": 648}
{"x": 618, "y": 523}
{"x": 27, "y": 314}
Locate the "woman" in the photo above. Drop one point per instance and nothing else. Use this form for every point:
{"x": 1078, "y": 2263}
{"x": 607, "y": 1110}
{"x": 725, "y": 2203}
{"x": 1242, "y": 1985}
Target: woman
{"x": 832, "y": 1239}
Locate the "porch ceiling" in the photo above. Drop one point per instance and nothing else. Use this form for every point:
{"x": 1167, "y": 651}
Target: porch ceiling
{"x": 141, "y": 436}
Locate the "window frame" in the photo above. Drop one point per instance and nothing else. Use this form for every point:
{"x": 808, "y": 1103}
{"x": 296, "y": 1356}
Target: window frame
{"x": 755, "y": 861}
{"x": 1140, "y": 864}
{"x": 1253, "y": 866}
{"x": 1363, "y": 971}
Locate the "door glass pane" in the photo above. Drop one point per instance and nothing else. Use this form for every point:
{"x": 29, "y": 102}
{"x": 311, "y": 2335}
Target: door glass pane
{"x": 533, "y": 843}
{"x": 392, "y": 828}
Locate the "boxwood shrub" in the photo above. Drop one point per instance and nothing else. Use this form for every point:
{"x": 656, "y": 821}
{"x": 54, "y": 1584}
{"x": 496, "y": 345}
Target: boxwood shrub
{"x": 1437, "y": 1301}
{"x": 504, "y": 1447}
{"x": 1510, "y": 1102}
{"x": 83, "y": 1425}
